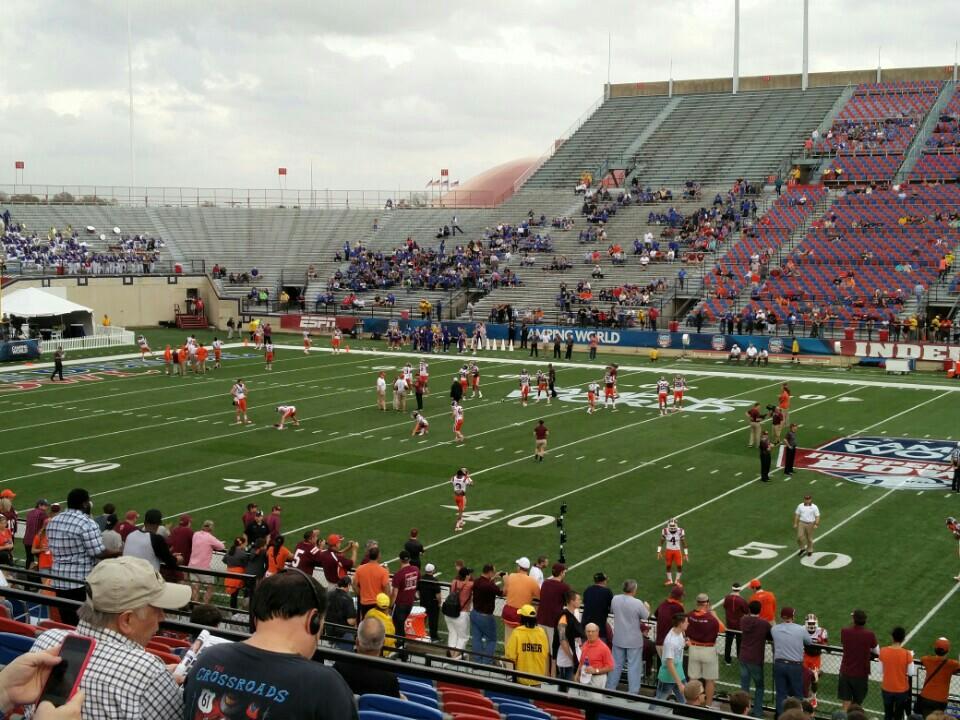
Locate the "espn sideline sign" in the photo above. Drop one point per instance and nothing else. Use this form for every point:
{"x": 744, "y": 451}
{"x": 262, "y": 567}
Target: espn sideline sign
{"x": 320, "y": 323}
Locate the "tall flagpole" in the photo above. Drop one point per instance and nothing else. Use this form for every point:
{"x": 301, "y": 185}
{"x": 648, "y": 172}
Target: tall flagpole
{"x": 133, "y": 167}
{"x": 609, "y": 54}
{"x": 736, "y": 46}
{"x": 804, "y": 84}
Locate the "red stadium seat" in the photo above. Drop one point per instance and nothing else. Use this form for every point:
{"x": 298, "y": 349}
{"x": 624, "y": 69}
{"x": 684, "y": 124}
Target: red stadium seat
{"x": 18, "y": 628}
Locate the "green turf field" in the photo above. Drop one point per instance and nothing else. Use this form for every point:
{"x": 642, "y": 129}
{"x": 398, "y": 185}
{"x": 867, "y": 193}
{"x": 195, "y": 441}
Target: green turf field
{"x": 141, "y": 440}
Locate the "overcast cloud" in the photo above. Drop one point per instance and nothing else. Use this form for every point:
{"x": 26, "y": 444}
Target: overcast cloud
{"x": 380, "y": 95}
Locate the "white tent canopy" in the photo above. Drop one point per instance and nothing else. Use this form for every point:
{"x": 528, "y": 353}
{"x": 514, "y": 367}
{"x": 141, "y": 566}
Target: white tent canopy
{"x": 33, "y": 302}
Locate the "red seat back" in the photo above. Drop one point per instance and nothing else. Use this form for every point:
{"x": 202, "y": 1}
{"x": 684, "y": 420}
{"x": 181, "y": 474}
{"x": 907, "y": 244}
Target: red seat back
{"x": 17, "y": 627}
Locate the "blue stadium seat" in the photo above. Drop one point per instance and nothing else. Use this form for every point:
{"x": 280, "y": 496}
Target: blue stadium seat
{"x": 424, "y": 700}
{"x": 13, "y": 646}
{"x": 399, "y": 708}
{"x": 522, "y": 711}
{"x": 420, "y": 688}
{"x": 375, "y": 715}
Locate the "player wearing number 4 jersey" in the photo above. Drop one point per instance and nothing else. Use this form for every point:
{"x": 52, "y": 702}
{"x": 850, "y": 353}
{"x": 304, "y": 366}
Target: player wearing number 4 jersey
{"x": 673, "y": 549}
{"x": 460, "y": 482}
{"x": 239, "y": 393}
{"x": 287, "y": 413}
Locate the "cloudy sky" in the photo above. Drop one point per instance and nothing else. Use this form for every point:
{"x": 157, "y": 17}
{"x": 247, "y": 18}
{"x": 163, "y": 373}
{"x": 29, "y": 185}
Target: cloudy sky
{"x": 379, "y": 95}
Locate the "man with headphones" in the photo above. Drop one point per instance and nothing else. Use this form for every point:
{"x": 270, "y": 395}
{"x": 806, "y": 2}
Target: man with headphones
{"x": 272, "y": 671}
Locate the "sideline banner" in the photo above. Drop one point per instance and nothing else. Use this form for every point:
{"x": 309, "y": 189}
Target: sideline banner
{"x": 628, "y": 338}
{"x": 937, "y": 352}
{"x": 19, "y": 350}
{"x": 323, "y": 323}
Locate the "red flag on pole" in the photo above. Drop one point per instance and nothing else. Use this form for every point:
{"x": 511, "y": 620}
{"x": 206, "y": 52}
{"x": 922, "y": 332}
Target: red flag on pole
{"x": 444, "y": 172}
{"x": 281, "y": 171}
{"x": 18, "y": 165}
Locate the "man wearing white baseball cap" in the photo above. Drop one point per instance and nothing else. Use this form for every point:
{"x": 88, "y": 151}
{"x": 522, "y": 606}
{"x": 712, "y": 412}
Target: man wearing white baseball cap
{"x": 519, "y": 589}
{"x": 125, "y": 601}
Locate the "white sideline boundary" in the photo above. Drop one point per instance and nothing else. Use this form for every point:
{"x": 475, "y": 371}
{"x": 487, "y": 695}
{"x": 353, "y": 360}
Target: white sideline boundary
{"x": 653, "y": 369}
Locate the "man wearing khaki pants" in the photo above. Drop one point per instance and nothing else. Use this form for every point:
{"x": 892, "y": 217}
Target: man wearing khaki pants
{"x": 806, "y": 519}
{"x": 755, "y": 418}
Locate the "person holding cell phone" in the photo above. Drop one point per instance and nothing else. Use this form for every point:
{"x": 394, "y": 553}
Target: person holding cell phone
{"x": 125, "y": 601}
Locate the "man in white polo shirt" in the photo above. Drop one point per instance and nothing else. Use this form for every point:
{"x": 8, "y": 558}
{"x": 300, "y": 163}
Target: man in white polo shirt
{"x": 806, "y": 519}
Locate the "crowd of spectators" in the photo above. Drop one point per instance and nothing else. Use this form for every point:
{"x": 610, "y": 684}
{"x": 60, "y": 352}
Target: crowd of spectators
{"x": 128, "y": 574}
{"x": 68, "y": 252}
{"x": 855, "y": 136}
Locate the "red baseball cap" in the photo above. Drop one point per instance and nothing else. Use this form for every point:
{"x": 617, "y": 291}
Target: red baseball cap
{"x": 333, "y": 539}
{"x": 8, "y": 493}
{"x": 754, "y": 584}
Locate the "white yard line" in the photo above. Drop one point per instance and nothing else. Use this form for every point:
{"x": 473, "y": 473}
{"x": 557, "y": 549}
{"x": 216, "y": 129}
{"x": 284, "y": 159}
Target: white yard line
{"x": 933, "y": 611}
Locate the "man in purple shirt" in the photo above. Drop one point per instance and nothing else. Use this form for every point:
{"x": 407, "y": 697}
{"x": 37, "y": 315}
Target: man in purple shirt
{"x": 33, "y": 524}
{"x": 734, "y": 609}
{"x": 755, "y": 631}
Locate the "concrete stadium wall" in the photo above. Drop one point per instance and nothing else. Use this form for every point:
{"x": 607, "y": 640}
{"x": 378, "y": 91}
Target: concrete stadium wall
{"x": 148, "y": 301}
{"x": 780, "y": 82}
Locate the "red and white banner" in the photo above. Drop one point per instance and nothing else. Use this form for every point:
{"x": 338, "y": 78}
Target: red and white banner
{"x": 19, "y": 165}
{"x": 936, "y": 352}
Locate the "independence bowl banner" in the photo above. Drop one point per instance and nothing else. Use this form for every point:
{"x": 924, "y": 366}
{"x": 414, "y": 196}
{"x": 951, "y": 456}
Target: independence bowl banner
{"x": 883, "y": 462}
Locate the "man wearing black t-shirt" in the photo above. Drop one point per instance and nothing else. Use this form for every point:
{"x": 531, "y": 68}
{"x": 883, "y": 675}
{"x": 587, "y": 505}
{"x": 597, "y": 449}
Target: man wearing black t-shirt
{"x": 361, "y": 677}
{"x": 414, "y": 547}
{"x": 341, "y": 614}
{"x": 271, "y": 672}
{"x": 596, "y": 604}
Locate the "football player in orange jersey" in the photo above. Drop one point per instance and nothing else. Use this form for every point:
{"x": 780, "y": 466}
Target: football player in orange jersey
{"x": 268, "y": 356}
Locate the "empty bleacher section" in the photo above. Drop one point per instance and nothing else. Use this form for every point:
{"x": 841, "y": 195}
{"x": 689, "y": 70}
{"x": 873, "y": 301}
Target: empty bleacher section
{"x": 940, "y": 159}
{"x": 608, "y": 132}
{"x": 874, "y": 129}
{"x": 718, "y": 138}
{"x": 712, "y": 137}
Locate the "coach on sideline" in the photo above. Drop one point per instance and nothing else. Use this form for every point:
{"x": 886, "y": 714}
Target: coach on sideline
{"x": 806, "y": 519}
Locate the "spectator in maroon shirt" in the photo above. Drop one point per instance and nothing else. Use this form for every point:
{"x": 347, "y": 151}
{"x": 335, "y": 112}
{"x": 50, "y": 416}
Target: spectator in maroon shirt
{"x": 306, "y": 556}
{"x": 859, "y": 648}
{"x": 334, "y": 561}
{"x": 34, "y": 522}
{"x": 673, "y": 605}
{"x": 755, "y": 631}
{"x": 128, "y": 525}
{"x": 404, "y": 590}
{"x": 483, "y": 626}
{"x": 180, "y": 539}
{"x": 273, "y": 521}
{"x": 250, "y": 515}
{"x": 551, "y": 604}
{"x": 734, "y": 608}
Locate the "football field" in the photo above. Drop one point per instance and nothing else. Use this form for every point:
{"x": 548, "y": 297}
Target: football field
{"x": 139, "y": 439}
